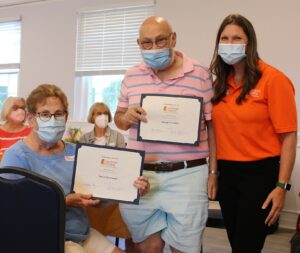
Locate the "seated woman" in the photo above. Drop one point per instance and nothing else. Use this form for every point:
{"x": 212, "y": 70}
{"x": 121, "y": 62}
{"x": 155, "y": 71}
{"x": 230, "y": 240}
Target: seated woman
{"x": 13, "y": 115}
{"x": 44, "y": 152}
{"x": 106, "y": 220}
{"x": 102, "y": 134}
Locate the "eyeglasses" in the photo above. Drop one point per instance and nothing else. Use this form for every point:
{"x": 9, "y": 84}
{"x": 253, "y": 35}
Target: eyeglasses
{"x": 160, "y": 42}
{"x": 46, "y": 116}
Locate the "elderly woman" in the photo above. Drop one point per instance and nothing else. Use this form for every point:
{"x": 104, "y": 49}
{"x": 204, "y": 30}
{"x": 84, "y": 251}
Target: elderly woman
{"x": 13, "y": 115}
{"x": 255, "y": 122}
{"x": 44, "y": 152}
{"x": 102, "y": 134}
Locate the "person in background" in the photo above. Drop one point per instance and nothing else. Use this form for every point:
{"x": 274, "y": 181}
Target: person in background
{"x": 255, "y": 122}
{"x": 102, "y": 134}
{"x": 175, "y": 211}
{"x": 44, "y": 152}
{"x": 13, "y": 115}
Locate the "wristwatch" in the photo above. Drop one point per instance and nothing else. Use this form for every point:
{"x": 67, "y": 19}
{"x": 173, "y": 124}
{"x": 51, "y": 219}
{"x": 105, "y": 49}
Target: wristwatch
{"x": 285, "y": 186}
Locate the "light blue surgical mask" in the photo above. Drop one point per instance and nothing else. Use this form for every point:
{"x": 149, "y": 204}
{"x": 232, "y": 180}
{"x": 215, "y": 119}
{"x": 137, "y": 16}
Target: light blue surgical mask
{"x": 232, "y": 53}
{"x": 50, "y": 131}
{"x": 157, "y": 58}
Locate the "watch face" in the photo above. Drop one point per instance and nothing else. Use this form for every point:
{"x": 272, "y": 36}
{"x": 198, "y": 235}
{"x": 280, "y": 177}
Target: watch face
{"x": 285, "y": 186}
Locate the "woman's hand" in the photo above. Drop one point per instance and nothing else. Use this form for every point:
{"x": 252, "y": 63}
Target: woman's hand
{"x": 277, "y": 198}
{"x": 142, "y": 183}
{"x": 212, "y": 186}
{"x": 80, "y": 200}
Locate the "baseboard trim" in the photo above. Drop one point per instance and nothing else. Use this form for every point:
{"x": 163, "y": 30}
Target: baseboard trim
{"x": 288, "y": 219}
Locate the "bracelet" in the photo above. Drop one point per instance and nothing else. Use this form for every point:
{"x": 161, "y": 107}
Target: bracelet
{"x": 214, "y": 172}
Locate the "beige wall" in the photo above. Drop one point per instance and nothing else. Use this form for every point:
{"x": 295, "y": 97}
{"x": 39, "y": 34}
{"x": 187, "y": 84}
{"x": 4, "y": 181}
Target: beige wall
{"x": 49, "y": 33}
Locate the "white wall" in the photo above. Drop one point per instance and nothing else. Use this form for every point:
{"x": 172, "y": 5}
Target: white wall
{"x": 49, "y": 33}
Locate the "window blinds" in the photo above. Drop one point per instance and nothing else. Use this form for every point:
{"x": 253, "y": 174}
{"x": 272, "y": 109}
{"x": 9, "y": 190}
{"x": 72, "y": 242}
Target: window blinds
{"x": 10, "y": 41}
{"x": 106, "y": 39}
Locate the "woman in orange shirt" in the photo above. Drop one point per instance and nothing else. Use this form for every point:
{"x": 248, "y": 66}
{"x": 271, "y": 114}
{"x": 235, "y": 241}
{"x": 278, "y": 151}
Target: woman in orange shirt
{"x": 13, "y": 115}
{"x": 255, "y": 122}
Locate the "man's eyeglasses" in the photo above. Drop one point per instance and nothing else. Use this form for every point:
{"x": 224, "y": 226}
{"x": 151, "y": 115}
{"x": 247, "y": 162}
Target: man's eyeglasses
{"x": 46, "y": 116}
{"x": 160, "y": 42}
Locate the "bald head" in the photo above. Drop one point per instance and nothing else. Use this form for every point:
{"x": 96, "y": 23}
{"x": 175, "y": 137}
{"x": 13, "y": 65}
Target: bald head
{"x": 154, "y": 26}
{"x": 156, "y": 33}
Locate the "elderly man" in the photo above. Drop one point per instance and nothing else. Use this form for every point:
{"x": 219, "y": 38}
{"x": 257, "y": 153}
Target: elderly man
{"x": 175, "y": 210}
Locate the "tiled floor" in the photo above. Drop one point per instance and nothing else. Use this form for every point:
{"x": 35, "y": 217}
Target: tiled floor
{"x": 215, "y": 241}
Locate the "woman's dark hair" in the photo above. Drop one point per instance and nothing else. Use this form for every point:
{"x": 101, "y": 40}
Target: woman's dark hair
{"x": 221, "y": 70}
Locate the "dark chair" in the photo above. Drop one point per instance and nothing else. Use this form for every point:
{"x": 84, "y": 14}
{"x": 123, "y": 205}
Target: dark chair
{"x": 32, "y": 213}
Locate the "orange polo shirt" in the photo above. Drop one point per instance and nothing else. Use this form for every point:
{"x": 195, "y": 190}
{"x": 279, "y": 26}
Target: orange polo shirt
{"x": 249, "y": 131}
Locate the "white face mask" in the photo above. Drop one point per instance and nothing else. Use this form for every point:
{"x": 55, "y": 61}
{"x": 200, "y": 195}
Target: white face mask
{"x": 101, "y": 121}
{"x": 232, "y": 53}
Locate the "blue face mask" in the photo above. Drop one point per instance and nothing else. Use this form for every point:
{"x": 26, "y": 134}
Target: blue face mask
{"x": 232, "y": 53}
{"x": 51, "y": 131}
{"x": 157, "y": 58}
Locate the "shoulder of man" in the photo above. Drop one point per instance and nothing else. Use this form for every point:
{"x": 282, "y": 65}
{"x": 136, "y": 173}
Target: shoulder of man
{"x": 137, "y": 69}
{"x": 198, "y": 67}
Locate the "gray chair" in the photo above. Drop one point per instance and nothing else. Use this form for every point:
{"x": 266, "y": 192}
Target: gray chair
{"x": 32, "y": 213}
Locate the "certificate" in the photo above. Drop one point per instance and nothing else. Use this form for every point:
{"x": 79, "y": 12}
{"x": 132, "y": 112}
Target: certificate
{"x": 107, "y": 173}
{"x": 171, "y": 119}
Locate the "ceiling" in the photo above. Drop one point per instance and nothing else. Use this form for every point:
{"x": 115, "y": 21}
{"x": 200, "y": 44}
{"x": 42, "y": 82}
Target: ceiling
{"x": 17, "y": 2}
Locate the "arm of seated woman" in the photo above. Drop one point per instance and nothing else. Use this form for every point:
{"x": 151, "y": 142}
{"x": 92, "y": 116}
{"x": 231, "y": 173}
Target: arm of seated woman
{"x": 80, "y": 200}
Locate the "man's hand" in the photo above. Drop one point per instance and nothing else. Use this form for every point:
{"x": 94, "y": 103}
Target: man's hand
{"x": 134, "y": 114}
{"x": 80, "y": 200}
{"x": 125, "y": 118}
{"x": 142, "y": 183}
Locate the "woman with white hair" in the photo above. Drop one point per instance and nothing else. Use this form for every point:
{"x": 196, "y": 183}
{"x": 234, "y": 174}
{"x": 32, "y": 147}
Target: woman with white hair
{"x": 13, "y": 115}
{"x": 102, "y": 134}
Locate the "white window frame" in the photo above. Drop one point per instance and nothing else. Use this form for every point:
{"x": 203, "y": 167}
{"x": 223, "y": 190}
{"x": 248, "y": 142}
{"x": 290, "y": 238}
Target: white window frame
{"x": 12, "y": 66}
{"x": 87, "y": 67}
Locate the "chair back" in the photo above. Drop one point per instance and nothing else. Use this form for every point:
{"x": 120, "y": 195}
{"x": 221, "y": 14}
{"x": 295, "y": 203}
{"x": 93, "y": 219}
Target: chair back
{"x": 32, "y": 213}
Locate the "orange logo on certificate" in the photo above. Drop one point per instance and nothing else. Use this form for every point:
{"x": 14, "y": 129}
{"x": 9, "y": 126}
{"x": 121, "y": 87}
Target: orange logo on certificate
{"x": 170, "y": 108}
{"x": 108, "y": 163}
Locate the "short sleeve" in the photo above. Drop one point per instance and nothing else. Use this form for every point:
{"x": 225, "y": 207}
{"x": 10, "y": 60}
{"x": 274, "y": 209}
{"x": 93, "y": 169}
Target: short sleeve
{"x": 123, "y": 98}
{"x": 282, "y": 104}
{"x": 209, "y": 93}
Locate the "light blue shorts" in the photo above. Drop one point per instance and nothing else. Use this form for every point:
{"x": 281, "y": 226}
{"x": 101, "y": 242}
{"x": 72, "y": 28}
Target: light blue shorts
{"x": 177, "y": 205}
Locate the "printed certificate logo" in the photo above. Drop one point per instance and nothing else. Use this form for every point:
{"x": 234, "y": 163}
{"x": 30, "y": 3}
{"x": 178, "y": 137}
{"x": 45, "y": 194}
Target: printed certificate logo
{"x": 108, "y": 163}
{"x": 170, "y": 108}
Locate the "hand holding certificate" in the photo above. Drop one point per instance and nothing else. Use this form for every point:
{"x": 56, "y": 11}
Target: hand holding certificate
{"x": 171, "y": 119}
{"x": 107, "y": 173}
